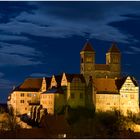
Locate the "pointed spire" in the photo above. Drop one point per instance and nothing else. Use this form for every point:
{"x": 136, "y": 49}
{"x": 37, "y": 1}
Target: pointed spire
{"x": 88, "y": 47}
{"x": 114, "y": 48}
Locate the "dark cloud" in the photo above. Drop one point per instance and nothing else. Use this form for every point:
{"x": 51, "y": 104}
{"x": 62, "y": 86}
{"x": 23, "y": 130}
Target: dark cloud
{"x": 20, "y": 55}
{"x": 135, "y": 49}
{"x": 26, "y": 28}
{"x": 4, "y": 83}
{"x": 8, "y": 37}
{"x": 65, "y": 19}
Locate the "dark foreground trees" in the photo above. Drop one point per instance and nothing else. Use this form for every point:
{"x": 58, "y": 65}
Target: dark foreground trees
{"x": 81, "y": 123}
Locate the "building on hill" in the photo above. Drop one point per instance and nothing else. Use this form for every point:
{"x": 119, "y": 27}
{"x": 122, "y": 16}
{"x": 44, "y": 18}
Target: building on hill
{"x": 75, "y": 89}
{"x": 28, "y": 92}
{"x": 67, "y": 91}
{"x": 53, "y": 100}
{"x": 98, "y": 86}
{"x": 117, "y": 94}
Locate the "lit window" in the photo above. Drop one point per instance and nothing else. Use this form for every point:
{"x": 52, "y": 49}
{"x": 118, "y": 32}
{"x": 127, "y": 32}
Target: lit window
{"x": 82, "y": 60}
{"x": 89, "y": 59}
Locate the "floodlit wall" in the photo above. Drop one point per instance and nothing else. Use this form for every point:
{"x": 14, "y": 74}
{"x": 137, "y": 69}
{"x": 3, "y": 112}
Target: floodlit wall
{"x": 20, "y": 101}
{"x": 129, "y": 97}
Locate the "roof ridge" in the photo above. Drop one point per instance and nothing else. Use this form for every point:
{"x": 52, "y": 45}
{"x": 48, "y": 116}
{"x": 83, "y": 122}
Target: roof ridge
{"x": 88, "y": 47}
{"x": 114, "y": 48}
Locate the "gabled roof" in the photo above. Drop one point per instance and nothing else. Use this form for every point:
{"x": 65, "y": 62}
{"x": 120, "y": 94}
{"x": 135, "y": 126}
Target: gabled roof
{"x": 102, "y": 67}
{"x": 32, "y": 84}
{"x": 114, "y": 48}
{"x": 110, "y": 85}
{"x": 71, "y": 76}
{"x": 88, "y": 47}
{"x": 120, "y": 81}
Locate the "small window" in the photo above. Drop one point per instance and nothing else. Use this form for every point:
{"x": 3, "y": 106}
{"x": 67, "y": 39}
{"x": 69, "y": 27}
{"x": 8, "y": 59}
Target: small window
{"x": 72, "y": 95}
{"x": 21, "y": 101}
{"x": 29, "y": 101}
{"x": 82, "y": 60}
{"x": 22, "y": 94}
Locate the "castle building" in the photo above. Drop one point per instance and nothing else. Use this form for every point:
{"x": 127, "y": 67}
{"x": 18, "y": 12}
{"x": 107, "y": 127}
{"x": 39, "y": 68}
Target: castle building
{"x": 28, "y": 92}
{"x": 98, "y": 86}
{"x": 117, "y": 94}
{"x": 69, "y": 91}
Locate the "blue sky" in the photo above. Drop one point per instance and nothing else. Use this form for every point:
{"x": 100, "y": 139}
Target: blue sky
{"x": 45, "y": 38}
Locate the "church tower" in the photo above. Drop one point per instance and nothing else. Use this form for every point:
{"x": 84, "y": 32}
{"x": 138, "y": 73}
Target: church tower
{"x": 113, "y": 59}
{"x": 87, "y": 65}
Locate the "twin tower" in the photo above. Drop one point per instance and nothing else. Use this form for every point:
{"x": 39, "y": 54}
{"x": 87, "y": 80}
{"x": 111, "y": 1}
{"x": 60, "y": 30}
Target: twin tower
{"x": 88, "y": 67}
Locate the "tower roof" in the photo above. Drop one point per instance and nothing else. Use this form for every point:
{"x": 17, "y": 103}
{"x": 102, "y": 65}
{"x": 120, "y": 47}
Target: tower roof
{"x": 88, "y": 47}
{"x": 114, "y": 48}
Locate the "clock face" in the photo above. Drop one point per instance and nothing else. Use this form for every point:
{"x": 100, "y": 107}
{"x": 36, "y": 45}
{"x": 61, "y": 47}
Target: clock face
{"x": 88, "y": 59}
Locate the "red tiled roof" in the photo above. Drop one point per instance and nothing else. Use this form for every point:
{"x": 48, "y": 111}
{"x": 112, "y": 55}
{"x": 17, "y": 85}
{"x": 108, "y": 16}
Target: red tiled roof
{"x": 32, "y": 84}
{"x": 105, "y": 84}
{"x": 114, "y": 48}
{"x": 102, "y": 67}
{"x": 88, "y": 47}
{"x": 109, "y": 85}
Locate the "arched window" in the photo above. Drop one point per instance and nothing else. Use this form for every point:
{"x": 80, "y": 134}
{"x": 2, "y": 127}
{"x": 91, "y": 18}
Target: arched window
{"x": 82, "y": 60}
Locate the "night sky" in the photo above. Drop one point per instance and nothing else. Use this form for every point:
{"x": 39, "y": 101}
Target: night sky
{"x": 44, "y": 38}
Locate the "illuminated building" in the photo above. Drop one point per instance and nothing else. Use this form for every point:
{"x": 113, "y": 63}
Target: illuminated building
{"x": 99, "y": 86}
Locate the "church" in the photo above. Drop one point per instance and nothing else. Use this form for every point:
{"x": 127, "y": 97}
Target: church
{"x": 97, "y": 86}
{"x": 112, "y": 68}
